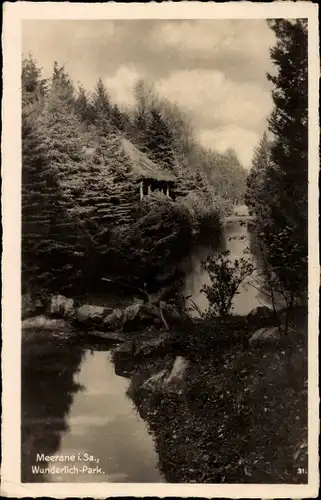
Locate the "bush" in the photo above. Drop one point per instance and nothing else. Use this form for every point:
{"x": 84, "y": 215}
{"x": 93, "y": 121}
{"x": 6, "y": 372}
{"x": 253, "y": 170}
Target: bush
{"x": 206, "y": 212}
{"x": 226, "y": 277}
{"x": 158, "y": 239}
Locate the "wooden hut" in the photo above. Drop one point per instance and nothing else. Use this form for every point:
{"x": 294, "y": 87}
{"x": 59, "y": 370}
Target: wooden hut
{"x": 151, "y": 176}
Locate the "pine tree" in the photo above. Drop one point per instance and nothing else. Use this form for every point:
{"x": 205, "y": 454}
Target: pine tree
{"x": 61, "y": 85}
{"x": 83, "y": 106}
{"x": 43, "y": 242}
{"x": 109, "y": 191}
{"x": 256, "y": 177}
{"x": 102, "y": 108}
{"x": 64, "y": 139}
{"x": 160, "y": 141}
{"x": 284, "y": 221}
{"x": 138, "y": 130}
{"x": 119, "y": 118}
{"x": 34, "y": 87}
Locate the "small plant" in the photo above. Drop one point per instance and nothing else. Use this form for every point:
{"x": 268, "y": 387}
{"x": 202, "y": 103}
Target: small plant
{"x": 226, "y": 277}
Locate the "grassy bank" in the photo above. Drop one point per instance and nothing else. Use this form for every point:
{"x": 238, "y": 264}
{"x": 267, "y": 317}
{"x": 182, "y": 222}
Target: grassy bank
{"x": 241, "y": 415}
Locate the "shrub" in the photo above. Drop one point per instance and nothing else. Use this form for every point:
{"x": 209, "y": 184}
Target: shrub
{"x": 159, "y": 238}
{"x": 226, "y": 277}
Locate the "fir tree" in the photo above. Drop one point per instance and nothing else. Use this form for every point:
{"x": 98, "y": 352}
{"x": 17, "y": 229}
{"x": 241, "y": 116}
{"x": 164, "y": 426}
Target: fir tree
{"x": 34, "y": 87}
{"x": 83, "y": 106}
{"x": 285, "y": 223}
{"x": 160, "y": 141}
{"x": 119, "y": 118}
{"x": 44, "y": 244}
{"x": 102, "y": 108}
{"x": 257, "y": 174}
{"x": 64, "y": 139}
{"x": 61, "y": 85}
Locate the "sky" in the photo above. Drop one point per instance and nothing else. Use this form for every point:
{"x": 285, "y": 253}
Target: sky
{"x": 213, "y": 69}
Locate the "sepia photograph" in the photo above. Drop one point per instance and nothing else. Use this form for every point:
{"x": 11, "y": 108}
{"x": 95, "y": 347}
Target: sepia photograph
{"x": 166, "y": 305}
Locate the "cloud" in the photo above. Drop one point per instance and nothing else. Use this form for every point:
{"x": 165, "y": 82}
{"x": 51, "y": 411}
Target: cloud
{"x": 120, "y": 84}
{"x": 238, "y": 48}
{"x": 246, "y": 37}
{"x": 212, "y": 98}
{"x": 224, "y": 113}
{"x": 77, "y": 44}
{"x": 230, "y": 136}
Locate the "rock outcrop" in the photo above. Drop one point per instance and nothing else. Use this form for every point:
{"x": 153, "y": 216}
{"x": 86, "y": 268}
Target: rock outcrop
{"x": 59, "y": 305}
{"x": 154, "y": 383}
{"x": 153, "y": 346}
{"x": 89, "y": 315}
{"x": 259, "y": 312}
{"x": 108, "y": 336}
{"x": 269, "y": 335}
{"x": 44, "y": 323}
{"x": 176, "y": 379}
{"x": 29, "y": 306}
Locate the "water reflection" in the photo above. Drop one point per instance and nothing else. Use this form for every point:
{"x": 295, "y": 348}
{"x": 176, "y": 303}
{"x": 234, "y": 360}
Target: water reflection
{"x": 237, "y": 238}
{"x": 47, "y": 391}
{"x": 73, "y": 403}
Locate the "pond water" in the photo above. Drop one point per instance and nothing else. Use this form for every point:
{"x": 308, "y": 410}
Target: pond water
{"x": 74, "y": 405}
{"x": 237, "y": 237}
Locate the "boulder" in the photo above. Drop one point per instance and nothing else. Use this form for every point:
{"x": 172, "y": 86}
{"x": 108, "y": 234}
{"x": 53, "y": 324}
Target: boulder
{"x": 176, "y": 378}
{"x": 30, "y": 306}
{"x": 259, "y": 313}
{"x": 131, "y": 316}
{"x": 60, "y": 305}
{"x": 156, "y": 345}
{"x": 123, "y": 352}
{"x": 44, "y": 323}
{"x": 113, "y": 320}
{"x": 155, "y": 382}
{"x": 123, "y": 360}
{"x": 91, "y": 315}
{"x": 269, "y": 335}
{"x": 108, "y": 336}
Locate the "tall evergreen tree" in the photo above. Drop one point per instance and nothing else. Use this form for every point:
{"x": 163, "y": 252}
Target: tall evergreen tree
{"x": 83, "y": 106}
{"x": 61, "y": 84}
{"x": 43, "y": 241}
{"x": 284, "y": 218}
{"x": 102, "y": 108}
{"x": 34, "y": 86}
{"x": 119, "y": 118}
{"x": 257, "y": 174}
{"x": 160, "y": 141}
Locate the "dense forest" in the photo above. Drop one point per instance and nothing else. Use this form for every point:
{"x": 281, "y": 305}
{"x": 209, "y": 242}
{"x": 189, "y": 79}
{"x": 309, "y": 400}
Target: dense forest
{"x": 81, "y": 216}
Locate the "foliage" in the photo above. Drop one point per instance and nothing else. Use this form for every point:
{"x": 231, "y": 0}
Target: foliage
{"x": 159, "y": 141}
{"x": 158, "y": 239}
{"x": 83, "y": 106}
{"x": 256, "y": 178}
{"x": 281, "y": 199}
{"x": 33, "y": 87}
{"x": 226, "y": 277}
{"x": 280, "y": 284}
{"x": 47, "y": 244}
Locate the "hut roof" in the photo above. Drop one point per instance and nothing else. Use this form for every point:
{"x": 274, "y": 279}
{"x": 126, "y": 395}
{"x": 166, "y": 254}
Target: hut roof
{"x": 144, "y": 167}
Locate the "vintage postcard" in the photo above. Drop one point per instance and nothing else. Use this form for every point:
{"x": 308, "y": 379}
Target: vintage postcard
{"x": 160, "y": 262}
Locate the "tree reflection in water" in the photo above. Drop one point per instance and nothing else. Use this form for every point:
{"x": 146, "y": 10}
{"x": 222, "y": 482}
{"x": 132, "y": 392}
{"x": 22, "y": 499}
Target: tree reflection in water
{"x": 47, "y": 391}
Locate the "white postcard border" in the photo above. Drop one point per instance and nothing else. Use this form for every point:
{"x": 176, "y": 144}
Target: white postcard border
{"x": 14, "y": 13}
